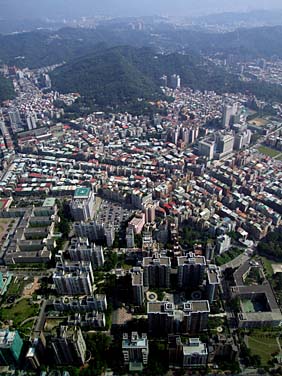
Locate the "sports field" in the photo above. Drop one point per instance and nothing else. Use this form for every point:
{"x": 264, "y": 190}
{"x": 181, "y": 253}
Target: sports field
{"x": 268, "y": 151}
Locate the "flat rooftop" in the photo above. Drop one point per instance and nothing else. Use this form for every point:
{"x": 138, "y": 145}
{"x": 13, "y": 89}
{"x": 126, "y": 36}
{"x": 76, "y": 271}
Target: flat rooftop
{"x": 49, "y": 202}
{"x": 82, "y": 192}
{"x": 191, "y": 260}
{"x": 213, "y": 277}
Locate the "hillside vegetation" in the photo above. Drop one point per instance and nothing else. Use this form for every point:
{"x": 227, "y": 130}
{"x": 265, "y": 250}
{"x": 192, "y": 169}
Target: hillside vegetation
{"x": 6, "y": 89}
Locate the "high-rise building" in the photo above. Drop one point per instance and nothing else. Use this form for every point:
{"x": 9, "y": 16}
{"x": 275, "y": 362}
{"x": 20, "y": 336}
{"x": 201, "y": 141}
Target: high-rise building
{"x": 163, "y": 81}
{"x": 207, "y": 149}
{"x": 137, "y": 286}
{"x": 11, "y": 346}
{"x": 175, "y": 81}
{"x": 242, "y": 139}
{"x": 228, "y": 112}
{"x": 213, "y": 281}
{"x": 157, "y": 271}
{"x": 15, "y": 120}
{"x": 31, "y": 121}
{"x": 74, "y": 278}
{"x": 150, "y": 213}
{"x": 95, "y": 231}
{"x": 69, "y": 346}
{"x": 189, "y": 354}
{"x": 80, "y": 249}
{"x": 130, "y": 237}
{"x": 160, "y": 318}
{"x": 36, "y": 353}
{"x": 82, "y": 206}
{"x": 223, "y": 243}
{"x": 196, "y": 314}
{"x": 135, "y": 350}
{"x": 224, "y": 144}
{"x": 14, "y": 116}
{"x": 195, "y": 354}
{"x": 191, "y": 270}
{"x": 175, "y": 351}
{"x": 166, "y": 318}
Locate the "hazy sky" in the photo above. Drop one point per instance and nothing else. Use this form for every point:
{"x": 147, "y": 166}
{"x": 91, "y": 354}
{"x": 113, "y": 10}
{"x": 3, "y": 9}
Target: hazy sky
{"x": 72, "y": 8}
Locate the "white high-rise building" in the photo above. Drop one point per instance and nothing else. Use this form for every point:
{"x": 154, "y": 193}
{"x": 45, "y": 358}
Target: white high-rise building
{"x": 175, "y": 81}
{"x": 224, "y": 144}
{"x": 207, "y": 149}
{"x": 223, "y": 243}
{"x": 242, "y": 139}
{"x": 82, "y": 206}
{"x": 195, "y": 354}
{"x": 31, "y": 121}
{"x": 81, "y": 249}
{"x": 74, "y": 278}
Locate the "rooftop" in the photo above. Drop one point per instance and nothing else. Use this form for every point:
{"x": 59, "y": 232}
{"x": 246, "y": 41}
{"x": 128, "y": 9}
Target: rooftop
{"x": 82, "y": 192}
{"x": 49, "y": 202}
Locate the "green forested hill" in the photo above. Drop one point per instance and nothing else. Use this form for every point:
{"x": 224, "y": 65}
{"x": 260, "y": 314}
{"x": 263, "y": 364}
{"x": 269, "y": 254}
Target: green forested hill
{"x": 44, "y": 47}
{"x": 121, "y": 75}
{"x": 6, "y": 89}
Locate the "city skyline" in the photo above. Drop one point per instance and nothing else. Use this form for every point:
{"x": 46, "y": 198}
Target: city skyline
{"x": 88, "y": 8}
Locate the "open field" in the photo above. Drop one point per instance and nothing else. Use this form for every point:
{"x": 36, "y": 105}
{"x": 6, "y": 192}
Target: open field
{"x": 258, "y": 121}
{"x": 268, "y": 151}
{"x": 4, "y": 224}
{"x": 263, "y": 344}
{"x": 19, "y": 312}
{"x": 17, "y": 286}
{"x": 267, "y": 265}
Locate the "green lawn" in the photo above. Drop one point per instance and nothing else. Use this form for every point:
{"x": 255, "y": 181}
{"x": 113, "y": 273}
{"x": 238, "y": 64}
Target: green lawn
{"x": 25, "y": 329}
{"x": 268, "y": 151}
{"x": 228, "y": 256}
{"x": 263, "y": 344}
{"x": 16, "y": 287}
{"x": 267, "y": 266}
{"x": 19, "y": 312}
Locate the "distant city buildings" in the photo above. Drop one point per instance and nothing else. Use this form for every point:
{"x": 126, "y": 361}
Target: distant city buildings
{"x": 155, "y": 189}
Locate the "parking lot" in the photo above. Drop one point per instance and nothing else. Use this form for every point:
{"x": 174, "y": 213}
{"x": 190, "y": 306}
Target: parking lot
{"x": 113, "y": 213}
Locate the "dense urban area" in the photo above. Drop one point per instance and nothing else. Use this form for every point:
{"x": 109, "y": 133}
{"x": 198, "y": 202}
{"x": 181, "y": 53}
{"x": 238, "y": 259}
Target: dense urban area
{"x": 142, "y": 238}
